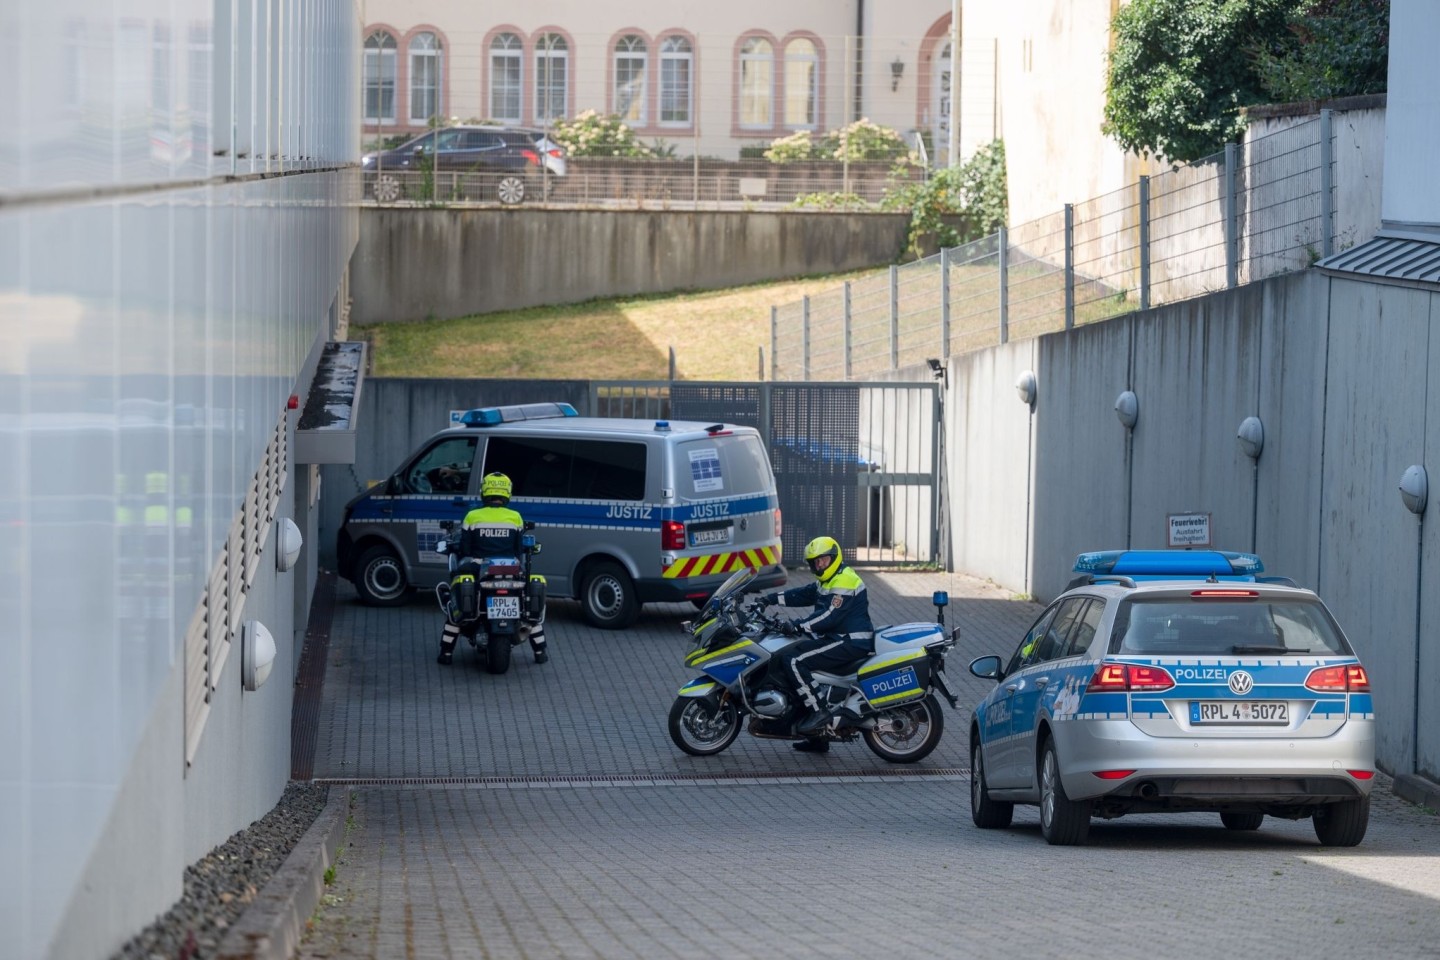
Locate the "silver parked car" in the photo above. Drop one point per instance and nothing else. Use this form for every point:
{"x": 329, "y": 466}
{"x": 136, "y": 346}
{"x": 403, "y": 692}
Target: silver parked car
{"x": 1170, "y": 681}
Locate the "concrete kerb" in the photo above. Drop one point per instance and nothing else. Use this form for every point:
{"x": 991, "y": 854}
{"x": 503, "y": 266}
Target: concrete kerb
{"x": 1418, "y": 790}
{"x": 271, "y": 927}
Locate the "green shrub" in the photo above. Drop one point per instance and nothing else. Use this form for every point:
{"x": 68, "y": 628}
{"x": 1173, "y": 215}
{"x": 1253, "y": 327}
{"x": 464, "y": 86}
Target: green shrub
{"x": 975, "y": 192}
{"x": 592, "y": 134}
{"x": 861, "y": 140}
{"x": 830, "y": 201}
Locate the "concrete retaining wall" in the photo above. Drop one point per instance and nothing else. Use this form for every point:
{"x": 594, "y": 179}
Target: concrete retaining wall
{"x": 412, "y": 264}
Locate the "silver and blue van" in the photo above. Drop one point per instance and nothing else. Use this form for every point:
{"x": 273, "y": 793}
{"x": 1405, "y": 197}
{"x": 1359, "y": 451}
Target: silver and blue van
{"x": 626, "y": 511}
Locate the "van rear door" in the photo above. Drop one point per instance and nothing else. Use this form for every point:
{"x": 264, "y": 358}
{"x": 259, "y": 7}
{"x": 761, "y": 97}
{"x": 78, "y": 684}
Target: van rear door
{"x": 726, "y": 500}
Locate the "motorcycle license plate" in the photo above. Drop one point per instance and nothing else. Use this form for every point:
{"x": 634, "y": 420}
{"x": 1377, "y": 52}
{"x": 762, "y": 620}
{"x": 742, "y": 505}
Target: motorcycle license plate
{"x": 502, "y": 608}
{"x": 1239, "y": 711}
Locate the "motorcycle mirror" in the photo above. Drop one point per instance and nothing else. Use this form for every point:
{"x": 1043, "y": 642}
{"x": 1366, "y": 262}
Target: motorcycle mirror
{"x": 528, "y": 525}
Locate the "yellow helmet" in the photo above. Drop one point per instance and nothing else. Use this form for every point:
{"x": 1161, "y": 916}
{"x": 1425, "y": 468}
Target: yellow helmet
{"x": 822, "y": 556}
{"x": 495, "y": 485}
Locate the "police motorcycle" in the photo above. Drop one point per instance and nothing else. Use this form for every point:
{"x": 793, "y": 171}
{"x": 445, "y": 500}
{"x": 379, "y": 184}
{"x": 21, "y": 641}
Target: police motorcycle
{"x": 492, "y": 598}
{"x": 887, "y": 701}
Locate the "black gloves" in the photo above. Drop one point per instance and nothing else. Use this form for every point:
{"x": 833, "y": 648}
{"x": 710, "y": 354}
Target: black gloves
{"x": 769, "y": 599}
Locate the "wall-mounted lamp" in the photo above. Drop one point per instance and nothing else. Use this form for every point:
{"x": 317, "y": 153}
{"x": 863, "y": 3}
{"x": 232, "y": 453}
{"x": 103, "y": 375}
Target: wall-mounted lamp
{"x": 1127, "y": 408}
{"x": 1414, "y": 488}
{"x": 290, "y": 542}
{"x": 1026, "y": 387}
{"x": 937, "y": 369}
{"x": 1251, "y": 436}
{"x": 897, "y": 70}
{"x": 257, "y": 654}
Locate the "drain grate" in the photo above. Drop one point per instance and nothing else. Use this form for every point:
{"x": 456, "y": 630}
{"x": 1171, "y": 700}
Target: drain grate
{"x": 652, "y": 779}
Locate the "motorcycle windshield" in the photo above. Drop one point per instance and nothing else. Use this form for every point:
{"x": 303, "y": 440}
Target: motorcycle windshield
{"x": 734, "y": 585}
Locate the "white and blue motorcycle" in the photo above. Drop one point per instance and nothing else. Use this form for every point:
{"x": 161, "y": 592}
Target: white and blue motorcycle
{"x": 888, "y": 700}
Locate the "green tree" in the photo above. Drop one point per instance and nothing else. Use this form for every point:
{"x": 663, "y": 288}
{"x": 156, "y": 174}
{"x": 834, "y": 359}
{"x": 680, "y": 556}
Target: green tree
{"x": 1180, "y": 70}
{"x": 1335, "y": 48}
{"x": 974, "y": 192}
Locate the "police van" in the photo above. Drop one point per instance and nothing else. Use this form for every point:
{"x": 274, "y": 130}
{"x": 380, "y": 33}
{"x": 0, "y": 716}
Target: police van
{"x": 626, "y": 511}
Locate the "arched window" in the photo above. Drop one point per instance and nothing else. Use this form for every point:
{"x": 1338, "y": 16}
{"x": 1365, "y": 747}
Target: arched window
{"x": 379, "y": 69}
{"x": 425, "y": 66}
{"x": 507, "y": 66}
{"x": 757, "y": 83}
{"x": 630, "y": 56}
{"x": 677, "y": 85}
{"x": 802, "y": 84}
{"x": 552, "y": 62}
{"x": 940, "y": 104}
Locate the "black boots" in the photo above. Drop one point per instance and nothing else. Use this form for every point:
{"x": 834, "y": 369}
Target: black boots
{"x": 813, "y": 724}
{"x": 814, "y": 745}
{"x": 445, "y": 657}
{"x": 541, "y": 656}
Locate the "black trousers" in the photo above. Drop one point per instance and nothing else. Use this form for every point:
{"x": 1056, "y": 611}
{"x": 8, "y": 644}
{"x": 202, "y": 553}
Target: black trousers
{"x": 828, "y": 653}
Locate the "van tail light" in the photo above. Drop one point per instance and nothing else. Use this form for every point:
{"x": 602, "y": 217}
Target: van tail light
{"x": 777, "y": 523}
{"x": 1129, "y": 677}
{"x": 1351, "y": 678}
{"x": 672, "y": 535}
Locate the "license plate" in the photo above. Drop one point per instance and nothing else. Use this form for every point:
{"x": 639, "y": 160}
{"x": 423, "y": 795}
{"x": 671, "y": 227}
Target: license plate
{"x": 1239, "y": 711}
{"x": 502, "y": 608}
{"x": 700, "y": 538}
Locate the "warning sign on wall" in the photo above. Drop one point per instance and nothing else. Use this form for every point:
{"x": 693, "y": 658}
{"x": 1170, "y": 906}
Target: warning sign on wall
{"x": 1189, "y": 530}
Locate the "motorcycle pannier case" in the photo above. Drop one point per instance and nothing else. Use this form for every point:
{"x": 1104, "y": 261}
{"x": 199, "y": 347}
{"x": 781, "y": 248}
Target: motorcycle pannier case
{"x": 535, "y": 597}
{"x": 887, "y": 681}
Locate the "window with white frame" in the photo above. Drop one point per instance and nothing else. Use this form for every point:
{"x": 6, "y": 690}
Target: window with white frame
{"x": 757, "y": 82}
{"x": 802, "y": 84}
{"x": 425, "y": 67}
{"x": 379, "y": 71}
{"x": 552, "y": 62}
{"x": 630, "y": 56}
{"x": 677, "y": 87}
{"x": 507, "y": 66}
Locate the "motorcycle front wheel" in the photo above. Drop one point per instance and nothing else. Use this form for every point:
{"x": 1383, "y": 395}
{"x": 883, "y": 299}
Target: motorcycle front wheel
{"x": 906, "y": 734}
{"x": 701, "y": 726}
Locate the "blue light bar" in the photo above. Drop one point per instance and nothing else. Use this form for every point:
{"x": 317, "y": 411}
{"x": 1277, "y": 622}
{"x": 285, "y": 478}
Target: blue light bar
{"x": 1170, "y": 564}
{"x": 490, "y": 416}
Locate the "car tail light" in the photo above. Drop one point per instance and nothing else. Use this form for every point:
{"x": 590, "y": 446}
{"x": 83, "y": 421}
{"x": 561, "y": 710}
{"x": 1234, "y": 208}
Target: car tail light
{"x": 531, "y": 155}
{"x": 555, "y": 152}
{"x": 1224, "y": 594}
{"x": 672, "y": 535}
{"x": 1352, "y": 678}
{"x": 1361, "y": 774}
{"x": 1113, "y": 774}
{"x": 1127, "y": 677}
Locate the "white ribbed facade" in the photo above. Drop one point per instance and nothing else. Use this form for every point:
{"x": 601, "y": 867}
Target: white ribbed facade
{"x": 174, "y": 231}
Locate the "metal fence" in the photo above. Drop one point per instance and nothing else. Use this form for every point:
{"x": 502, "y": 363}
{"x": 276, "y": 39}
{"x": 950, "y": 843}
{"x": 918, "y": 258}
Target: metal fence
{"x": 1254, "y": 211}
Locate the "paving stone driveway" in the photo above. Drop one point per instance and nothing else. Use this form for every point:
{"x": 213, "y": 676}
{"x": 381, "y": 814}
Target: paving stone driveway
{"x": 545, "y": 813}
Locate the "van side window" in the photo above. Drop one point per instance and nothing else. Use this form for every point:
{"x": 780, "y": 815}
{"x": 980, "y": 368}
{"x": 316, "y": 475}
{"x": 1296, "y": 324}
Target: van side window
{"x": 608, "y": 470}
{"x": 536, "y": 466}
{"x": 444, "y": 468}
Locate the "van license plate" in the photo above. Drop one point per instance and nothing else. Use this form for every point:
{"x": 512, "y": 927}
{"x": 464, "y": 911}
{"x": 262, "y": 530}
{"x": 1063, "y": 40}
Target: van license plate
{"x": 1239, "y": 711}
{"x": 502, "y": 608}
{"x": 701, "y": 538}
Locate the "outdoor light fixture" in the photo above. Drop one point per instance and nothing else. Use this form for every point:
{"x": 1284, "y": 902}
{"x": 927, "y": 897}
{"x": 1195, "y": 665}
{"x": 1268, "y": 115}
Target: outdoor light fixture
{"x": 897, "y": 70}
{"x": 290, "y": 542}
{"x": 1127, "y": 408}
{"x": 1025, "y": 386}
{"x": 1414, "y": 488}
{"x": 257, "y": 654}
{"x": 1252, "y": 437}
{"x": 937, "y": 369}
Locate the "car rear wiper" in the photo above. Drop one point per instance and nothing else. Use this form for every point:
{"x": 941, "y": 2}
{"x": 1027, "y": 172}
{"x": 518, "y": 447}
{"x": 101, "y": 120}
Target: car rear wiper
{"x": 1266, "y": 648}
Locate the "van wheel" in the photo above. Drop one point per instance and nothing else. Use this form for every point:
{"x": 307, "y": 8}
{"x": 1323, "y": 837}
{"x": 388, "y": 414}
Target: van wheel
{"x": 608, "y": 597}
{"x": 380, "y": 579}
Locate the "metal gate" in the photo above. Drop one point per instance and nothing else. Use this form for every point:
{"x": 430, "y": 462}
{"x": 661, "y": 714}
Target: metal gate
{"x": 861, "y": 462}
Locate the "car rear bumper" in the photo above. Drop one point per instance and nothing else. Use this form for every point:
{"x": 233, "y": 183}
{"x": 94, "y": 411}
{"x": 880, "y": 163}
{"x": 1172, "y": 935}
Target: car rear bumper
{"x": 1210, "y": 771}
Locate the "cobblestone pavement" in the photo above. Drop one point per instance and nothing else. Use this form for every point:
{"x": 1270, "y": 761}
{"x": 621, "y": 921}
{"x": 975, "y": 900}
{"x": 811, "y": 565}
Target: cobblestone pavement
{"x": 545, "y": 813}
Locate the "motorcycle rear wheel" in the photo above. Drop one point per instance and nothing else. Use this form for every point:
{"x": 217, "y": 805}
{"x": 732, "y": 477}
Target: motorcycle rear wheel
{"x": 907, "y": 734}
{"x": 497, "y": 654}
{"x": 701, "y": 726}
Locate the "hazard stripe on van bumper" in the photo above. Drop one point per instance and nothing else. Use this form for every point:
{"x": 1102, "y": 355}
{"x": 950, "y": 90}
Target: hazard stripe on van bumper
{"x": 722, "y": 563}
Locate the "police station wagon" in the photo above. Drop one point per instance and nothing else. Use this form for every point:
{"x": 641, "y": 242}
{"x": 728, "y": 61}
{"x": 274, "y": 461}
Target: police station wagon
{"x": 626, "y": 511}
{"x": 1169, "y": 681}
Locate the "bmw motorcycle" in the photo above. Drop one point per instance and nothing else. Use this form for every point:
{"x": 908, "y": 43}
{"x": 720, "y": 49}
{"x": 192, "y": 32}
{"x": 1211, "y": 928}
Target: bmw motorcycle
{"x": 494, "y": 600}
{"x": 888, "y": 701}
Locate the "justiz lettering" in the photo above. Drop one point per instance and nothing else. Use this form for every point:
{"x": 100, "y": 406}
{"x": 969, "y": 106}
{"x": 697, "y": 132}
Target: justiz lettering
{"x": 627, "y": 512}
{"x": 721, "y": 509}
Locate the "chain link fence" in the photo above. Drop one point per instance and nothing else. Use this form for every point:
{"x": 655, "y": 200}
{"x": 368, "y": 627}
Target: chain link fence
{"x": 1256, "y": 210}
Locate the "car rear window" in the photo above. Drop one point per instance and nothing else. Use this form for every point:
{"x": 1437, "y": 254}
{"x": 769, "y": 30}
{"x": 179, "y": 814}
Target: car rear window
{"x": 729, "y": 466}
{"x": 1188, "y": 627}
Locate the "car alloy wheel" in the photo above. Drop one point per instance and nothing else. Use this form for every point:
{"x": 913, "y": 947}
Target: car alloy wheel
{"x": 387, "y": 188}
{"x": 510, "y": 190}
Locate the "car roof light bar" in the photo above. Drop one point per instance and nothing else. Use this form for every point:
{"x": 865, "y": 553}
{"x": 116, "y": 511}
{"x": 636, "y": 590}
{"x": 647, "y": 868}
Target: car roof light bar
{"x": 1163, "y": 564}
{"x": 491, "y": 416}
